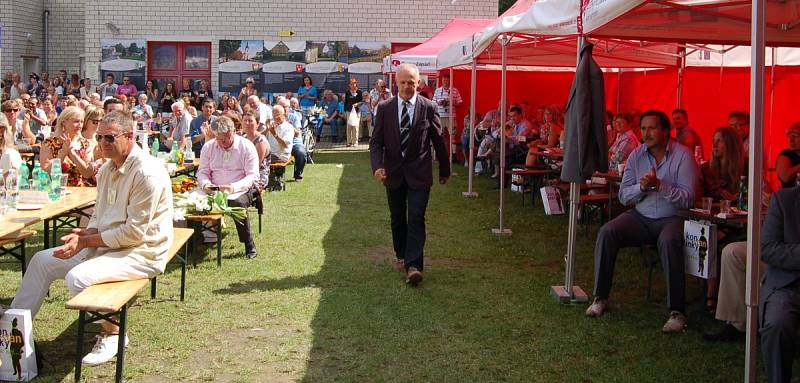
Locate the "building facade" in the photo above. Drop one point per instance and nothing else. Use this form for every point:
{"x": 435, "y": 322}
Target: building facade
{"x": 58, "y": 34}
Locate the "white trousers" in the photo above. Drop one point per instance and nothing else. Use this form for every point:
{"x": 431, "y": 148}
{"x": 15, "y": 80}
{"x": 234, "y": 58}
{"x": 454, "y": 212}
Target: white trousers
{"x": 78, "y": 273}
{"x": 732, "y": 284}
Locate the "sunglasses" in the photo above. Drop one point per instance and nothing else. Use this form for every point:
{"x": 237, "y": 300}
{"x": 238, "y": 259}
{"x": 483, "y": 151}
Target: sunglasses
{"x": 96, "y": 121}
{"x": 110, "y": 138}
{"x": 15, "y": 110}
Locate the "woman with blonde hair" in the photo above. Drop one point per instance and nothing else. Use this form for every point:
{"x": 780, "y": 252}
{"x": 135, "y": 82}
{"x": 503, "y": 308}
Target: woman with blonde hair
{"x": 90, "y": 124}
{"x": 65, "y": 140}
{"x": 551, "y": 128}
{"x": 9, "y": 157}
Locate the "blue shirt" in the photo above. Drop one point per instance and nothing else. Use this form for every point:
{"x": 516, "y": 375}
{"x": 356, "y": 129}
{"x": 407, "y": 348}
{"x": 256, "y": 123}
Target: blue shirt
{"x": 195, "y": 129}
{"x": 678, "y": 175}
{"x": 305, "y": 102}
{"x": 295, "y": 118}
{"x": 330, "y": 107}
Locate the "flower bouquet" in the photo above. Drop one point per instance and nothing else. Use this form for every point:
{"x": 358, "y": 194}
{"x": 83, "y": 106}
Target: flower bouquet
{"x": 318, "y": 111}
{"x": 198, "y": 203}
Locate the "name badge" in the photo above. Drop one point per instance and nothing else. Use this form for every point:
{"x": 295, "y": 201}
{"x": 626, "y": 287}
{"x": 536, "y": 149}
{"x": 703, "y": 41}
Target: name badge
{"x": 112, "y": 197}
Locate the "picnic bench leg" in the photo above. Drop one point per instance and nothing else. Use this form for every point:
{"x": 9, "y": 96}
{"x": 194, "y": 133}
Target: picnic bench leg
{"x": 47, "y": 233}
{"x": 183, "y": 269}
{"x": 193, "y": 241}
{"x": 79, "y": 347}
{"x": 123, "y": 318}
{"x": 23, "y": 262}
{"x": 219, "y": 242}
{"x": 153, "y": 288}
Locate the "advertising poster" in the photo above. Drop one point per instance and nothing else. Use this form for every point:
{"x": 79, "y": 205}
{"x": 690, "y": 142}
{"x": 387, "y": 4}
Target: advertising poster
{"x": 365, "y": 61}
{"x": 284, "y": 66}
{"x": 239, "y": 60}
{"x": 124, "y": 57}
{"x": 327, "y": 64}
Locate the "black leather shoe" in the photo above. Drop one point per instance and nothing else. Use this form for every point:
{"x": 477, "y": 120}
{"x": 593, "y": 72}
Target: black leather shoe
{"x": 414, "y": 276}
{"x": 728, "y": 333}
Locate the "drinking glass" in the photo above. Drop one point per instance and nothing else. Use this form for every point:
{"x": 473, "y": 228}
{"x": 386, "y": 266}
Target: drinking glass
{"x": 707, "y": 201}
{"x": 725, "y": 207}
{"x": 64, "y": 184}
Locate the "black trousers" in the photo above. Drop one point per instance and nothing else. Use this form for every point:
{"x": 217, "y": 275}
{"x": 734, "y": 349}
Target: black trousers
{"x": 780, "y": 317}
{"x": 407, "y": 209}
{"x": 631, "y": 229}
{"x": 243, "y": 227}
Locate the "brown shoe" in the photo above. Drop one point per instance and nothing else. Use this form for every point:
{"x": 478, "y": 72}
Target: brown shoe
{"x": 414, "y": 276}
{"x": 400, "y": 265}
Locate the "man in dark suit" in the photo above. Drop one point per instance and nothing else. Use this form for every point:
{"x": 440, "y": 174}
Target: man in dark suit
{"x": 780, "y": 289}
{"x": 406, "y": 127}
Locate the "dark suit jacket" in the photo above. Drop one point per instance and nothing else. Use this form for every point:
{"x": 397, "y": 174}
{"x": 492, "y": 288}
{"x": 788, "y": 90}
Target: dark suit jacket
{"x": 416, "y": 166}
{"x": 586, "y": 148}
{"x": 780, "y": 247}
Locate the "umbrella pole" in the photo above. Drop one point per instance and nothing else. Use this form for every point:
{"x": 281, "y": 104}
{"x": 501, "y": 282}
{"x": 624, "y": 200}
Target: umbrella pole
{"x": 755, "y": 184}
{"x": 569, "y": 293}
{"x": 473, "y": 84}
{"x": 501, "y": 230}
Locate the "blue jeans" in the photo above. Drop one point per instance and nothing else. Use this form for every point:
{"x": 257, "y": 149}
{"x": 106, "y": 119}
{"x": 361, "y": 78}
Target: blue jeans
{"x": 300, "y": 156}
{"x": 334, "y": 124}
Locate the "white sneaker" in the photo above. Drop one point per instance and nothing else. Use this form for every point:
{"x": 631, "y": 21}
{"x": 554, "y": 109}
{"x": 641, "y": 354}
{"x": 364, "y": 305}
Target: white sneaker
{"x": 598, "y": 307}
{"x": 104, "y": 349}
{"x": 675, "y": 323}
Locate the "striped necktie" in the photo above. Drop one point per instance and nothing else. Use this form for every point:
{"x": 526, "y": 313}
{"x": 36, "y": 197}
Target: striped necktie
{"x": 405, "y": 127}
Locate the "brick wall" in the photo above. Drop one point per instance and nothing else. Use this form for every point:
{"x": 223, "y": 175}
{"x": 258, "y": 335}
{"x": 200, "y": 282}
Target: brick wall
{"x": 351, "y": 20}
{"x": 67, "y": 25}
{"x": 19, "y": 19}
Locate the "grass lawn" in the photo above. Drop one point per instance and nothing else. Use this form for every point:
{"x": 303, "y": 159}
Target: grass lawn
{"x": 322, "y": 303}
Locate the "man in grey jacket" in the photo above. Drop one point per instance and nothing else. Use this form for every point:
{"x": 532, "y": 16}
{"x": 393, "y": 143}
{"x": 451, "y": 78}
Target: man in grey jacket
{"x": 780, "y": 289}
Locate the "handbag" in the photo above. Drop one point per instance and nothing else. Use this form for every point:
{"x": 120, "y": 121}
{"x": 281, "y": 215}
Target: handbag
{"x": 353, "y": 119}
{"x": 17, "y": 353}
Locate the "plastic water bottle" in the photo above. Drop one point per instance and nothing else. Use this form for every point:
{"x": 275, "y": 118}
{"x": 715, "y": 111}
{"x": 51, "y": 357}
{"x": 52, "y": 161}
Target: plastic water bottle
{"x": 24, "y": 178}
{"x": 154, "y": 148}
{"x": 54, "y": 192}
{"x": 173, "y": 154}
{"x": 43, "y": 180}
{"x": 188, "y": 153}
{"x": 35, "y": 186}
{"x": 743, "y": 193}
{"x": 12, "y": 191}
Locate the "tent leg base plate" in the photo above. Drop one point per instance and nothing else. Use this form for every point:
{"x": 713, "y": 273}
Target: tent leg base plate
{"x": 501, "y": 232}
{"x": 470, "y": 194}
{"x": 559, "y": 293}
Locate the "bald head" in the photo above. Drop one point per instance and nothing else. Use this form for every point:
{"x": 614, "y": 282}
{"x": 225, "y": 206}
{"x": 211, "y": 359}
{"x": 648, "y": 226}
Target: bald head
{"x": 407, "y": 80}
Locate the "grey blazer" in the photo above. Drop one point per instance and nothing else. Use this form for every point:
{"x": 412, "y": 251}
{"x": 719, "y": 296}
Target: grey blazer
{"x": 780, "y": 247}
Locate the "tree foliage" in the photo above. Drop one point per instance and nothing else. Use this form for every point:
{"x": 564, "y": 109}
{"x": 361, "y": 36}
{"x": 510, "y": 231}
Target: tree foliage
{"x": 503, "y": 5}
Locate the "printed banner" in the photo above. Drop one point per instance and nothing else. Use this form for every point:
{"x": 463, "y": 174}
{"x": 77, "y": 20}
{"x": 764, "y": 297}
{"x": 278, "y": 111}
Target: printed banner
{"x": 238, "y": 61}
{"x": 17, "y": 353}
{"x": 124, "y": 57}
{"x": 699, "y": 248}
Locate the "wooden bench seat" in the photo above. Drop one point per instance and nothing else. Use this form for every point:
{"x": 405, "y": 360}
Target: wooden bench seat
{"x": 103, "y": 301}
{"x": 210, "y": 222}
{"x": 17, "y": 251}
{"x": 277, "y": 169}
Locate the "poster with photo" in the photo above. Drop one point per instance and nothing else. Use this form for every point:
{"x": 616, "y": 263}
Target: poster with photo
{"x": 238, "y": 61}
{"x": 366, "y": 61}
{"x": 124, "y": 57}
{"x": 284, "y": 63}
{"x": 329, "y": 75}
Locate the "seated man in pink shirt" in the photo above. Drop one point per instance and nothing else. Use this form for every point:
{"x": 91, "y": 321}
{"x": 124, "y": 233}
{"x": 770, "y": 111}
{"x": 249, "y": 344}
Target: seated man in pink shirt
{"x": 229, "y": 163}
{"x": 127, "y": 88}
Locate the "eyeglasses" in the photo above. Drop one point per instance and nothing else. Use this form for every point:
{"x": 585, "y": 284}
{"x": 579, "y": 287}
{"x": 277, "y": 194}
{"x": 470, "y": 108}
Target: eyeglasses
{"x": 110, "y": 138}
{"x": 15, "y": 110}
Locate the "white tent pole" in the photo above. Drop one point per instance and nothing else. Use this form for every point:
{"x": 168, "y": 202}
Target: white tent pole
{"x": 504, "y": 39}
{"x": 472, "y": 88}
{"x": 755, "y": 182}
{"x": 681, "y": 69}
{"x": 451, "y": 111}
{"x": 768, "y": 155}
{"x": 619, "y": 92}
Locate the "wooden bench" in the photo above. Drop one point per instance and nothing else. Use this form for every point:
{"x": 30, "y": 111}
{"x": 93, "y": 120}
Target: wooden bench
{"x": 538, "y": 176}
{"x": 18, "y": 249}
{"x": 277, "y": 169}
{"x": 103, "y": 301}
{"x": 210, "y": 222}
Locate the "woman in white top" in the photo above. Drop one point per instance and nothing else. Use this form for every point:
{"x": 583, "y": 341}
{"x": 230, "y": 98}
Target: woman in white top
{"x": 9, "y": 157}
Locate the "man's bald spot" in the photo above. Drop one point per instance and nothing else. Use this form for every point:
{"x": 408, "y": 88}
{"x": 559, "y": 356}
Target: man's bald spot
{"x": 411, "y": 69}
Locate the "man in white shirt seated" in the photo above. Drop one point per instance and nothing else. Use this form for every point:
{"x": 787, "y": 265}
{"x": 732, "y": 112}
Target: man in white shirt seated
{"x": 280, "y": 135}
{"x": 262, "y": 110}
{"x": 127, "y": 237}
{"x": 229, "y": 163}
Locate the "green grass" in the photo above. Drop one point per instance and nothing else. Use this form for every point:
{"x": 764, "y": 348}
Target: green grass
{"x": 322, "y": 303}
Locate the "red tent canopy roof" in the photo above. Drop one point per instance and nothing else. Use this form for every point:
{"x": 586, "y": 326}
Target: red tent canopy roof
{"x": 424, "y": 55}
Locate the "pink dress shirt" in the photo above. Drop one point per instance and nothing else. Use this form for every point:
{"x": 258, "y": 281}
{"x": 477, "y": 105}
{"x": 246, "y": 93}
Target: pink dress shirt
{"x": 237, "y": 166}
